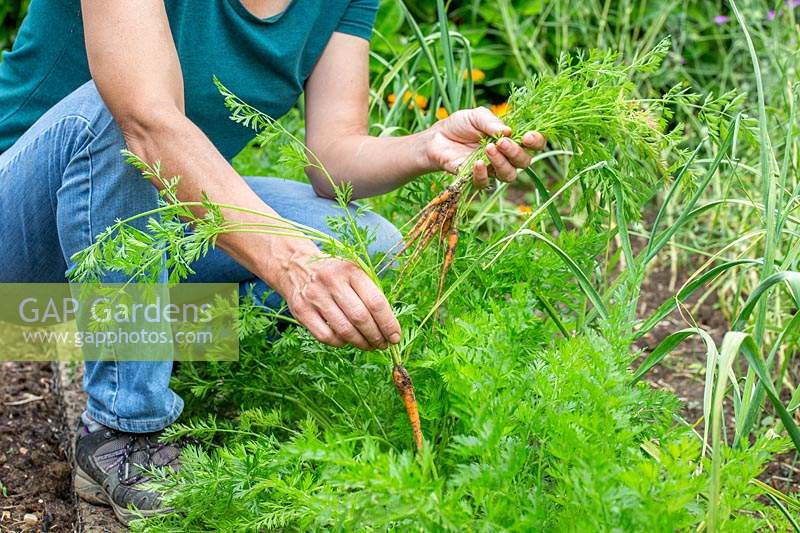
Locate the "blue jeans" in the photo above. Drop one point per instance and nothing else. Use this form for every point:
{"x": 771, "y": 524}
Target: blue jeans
{"x": 63, "y": 182}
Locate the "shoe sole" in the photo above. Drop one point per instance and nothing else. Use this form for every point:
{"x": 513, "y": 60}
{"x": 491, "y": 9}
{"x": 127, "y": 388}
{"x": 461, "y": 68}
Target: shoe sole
{"x": 92, "y": 492}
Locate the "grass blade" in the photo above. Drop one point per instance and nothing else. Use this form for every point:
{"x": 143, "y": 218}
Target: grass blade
{"x": 751, "y": 352}
{"x": 730, "y": 347}
{"x": 447, "y": 51}
{"x": 782, "y": 508}
{"x": 505, "y": 242}
{"x": 665, "y": 347}
{"x": 768, "y": 187}
{"x": 664, "y": 238}
{"x": 545, "y": 194}
{"x": 792, "y": 504}
{"x": 668, "y": 306}
{"x": 754, "y": 391}
{"x": 622, "y": 225}
{"x": 671, "y": 193}
{"x": 712, "y": 357}
{"x": 792, "y": 278}
{"x": 583, "y": 280}
{"x": 426, "y": 50}
{"x": 552, "y": 313}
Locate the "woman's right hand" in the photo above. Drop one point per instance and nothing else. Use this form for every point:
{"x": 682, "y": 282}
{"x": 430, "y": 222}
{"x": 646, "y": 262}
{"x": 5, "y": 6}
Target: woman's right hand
{"x": 336, "y": 301}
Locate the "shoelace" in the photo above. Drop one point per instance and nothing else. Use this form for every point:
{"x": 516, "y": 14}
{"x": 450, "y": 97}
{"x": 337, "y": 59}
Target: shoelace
{"x": 149, "y": 447}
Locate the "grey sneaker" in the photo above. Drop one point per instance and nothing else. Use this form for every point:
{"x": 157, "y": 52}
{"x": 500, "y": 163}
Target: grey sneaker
{"x": 110, "y": 469}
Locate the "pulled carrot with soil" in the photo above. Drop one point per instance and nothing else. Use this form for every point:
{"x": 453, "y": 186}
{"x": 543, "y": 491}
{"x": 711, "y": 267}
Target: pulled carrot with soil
{"x": 450, "y": 215}
{"x": 427, "y": 237}
{"x": 425, "y": 221}
{"x": 452, "y": 243}
{"x": 444, "y": 232}
{"x": 436, "y": 218}
{"x": 406, "y": 389}
{"x": 445, "y": 196}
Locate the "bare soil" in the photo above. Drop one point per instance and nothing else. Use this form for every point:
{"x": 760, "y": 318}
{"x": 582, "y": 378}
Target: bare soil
{"x": 683, "y": 371}
{"x": 35, "y": 476}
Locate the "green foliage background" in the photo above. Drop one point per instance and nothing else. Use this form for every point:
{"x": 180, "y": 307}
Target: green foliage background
{"x": 527, "y": 428}
{"x": 11, "y": 14}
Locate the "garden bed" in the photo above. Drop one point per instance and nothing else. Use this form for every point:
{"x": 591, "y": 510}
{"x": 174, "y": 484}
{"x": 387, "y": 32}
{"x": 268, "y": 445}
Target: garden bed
{"x": 530, "y": 416}
{"x": 39, "y": 481}
{"x": 34, "y": 466}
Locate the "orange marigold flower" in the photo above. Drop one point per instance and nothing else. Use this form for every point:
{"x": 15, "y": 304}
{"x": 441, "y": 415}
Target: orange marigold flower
{"x": 477, "y": 75}
{"x": 418, "y": 100}
{"x": 524, "y": 209}
{"x": 500, "y": 109}
{"x": 421, "y": 101}
{"x": 441, "y": 113}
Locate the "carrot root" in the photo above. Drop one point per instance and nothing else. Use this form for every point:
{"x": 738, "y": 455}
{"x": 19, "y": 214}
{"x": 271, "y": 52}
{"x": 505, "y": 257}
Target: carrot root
{"x": 442, "y": 197}
{"x": 402, "y": 381}
{"x": 452, "y": 243}
{"x": 427, "y": 220}
{"x": 449, "y": 216}
{"x": 436, "y": 219}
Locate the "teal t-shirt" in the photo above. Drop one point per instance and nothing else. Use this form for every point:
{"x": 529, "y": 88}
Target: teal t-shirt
{"x": 265, "y": 62}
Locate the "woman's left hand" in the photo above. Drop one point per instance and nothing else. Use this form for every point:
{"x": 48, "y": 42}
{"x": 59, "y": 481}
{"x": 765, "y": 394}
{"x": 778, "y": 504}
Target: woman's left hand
{"x": 450, "y": 141}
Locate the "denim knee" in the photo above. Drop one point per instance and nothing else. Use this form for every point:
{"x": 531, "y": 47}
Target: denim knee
{"x": 86, "y": 102}
{"x": 97, "y": 185}
{"x": 86, "y": 107}
{"x": 53, "y": 170}
{"x": 386, "y": 237}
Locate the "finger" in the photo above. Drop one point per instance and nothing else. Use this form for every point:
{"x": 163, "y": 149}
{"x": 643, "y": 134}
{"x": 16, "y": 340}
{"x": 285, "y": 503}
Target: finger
{"x": 358, "y": 315}
{"x": 503, "y": 169}
{"x": 480, "y": 175}
{"x": 533, "y": 140}
{"x": 318, "y": 328}
{"x": 488, "y": 123}
{"x": 378, "y": 307}
{"x": 515, "y": 154}
{"x": 341, "y": 325}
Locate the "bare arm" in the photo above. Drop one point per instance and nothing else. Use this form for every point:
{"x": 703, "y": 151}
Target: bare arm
{"x": 134, "y": 63}
{"x": 337, "y": 94}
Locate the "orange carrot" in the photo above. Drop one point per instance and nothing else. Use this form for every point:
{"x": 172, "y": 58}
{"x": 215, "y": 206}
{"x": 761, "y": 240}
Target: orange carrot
{"x": 427, "y": 237}
{"x": 452, "y": 242}
{"x": 425, "y": 222}
{"x": 448, "y": 221}
{"x": 406, "y": 389}
{"x": 442, "y": 197}
{"x": 444, "y": 230}
{"x": 451, "y": 193}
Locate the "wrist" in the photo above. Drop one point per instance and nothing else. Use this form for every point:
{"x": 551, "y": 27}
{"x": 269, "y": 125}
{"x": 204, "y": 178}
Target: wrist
{"x": 423, "y": 151}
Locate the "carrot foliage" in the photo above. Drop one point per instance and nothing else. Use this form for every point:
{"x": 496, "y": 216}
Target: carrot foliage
{"x": 529, "y": 418}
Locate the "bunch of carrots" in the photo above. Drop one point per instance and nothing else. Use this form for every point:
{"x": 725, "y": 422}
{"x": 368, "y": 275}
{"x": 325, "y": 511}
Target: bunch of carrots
{"x": 438, "y": 217}
{"x": 588, "y": 107}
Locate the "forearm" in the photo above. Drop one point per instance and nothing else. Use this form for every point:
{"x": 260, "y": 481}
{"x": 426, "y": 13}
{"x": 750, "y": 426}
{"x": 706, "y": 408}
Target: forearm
{"x": 183, "y": 150}
{"x": 373, "y": 165}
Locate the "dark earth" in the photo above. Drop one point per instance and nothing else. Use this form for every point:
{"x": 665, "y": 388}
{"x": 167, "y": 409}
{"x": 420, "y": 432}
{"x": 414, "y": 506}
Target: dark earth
{"x": 35, "y": 477}
{"x": 682, "y": 372}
